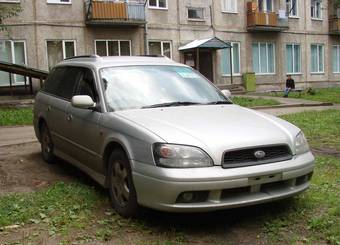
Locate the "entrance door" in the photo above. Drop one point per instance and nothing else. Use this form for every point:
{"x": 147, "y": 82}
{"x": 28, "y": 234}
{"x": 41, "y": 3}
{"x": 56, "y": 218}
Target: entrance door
{"x": 206, "y": 64}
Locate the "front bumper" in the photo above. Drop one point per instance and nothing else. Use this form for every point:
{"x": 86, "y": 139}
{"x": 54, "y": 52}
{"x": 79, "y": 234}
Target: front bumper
{"x": 160, "y": 188}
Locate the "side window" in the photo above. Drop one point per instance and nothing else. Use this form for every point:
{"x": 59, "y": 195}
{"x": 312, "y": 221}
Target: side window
{"x": 86, "y": 85}
{"x": 68, "y": 82}
{"x": 62, "y": 81}
{"x": 53, "y": 80}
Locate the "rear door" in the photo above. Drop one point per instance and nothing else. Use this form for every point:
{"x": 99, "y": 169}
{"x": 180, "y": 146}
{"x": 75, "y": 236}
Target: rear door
{"x": 60, "y": 87}
{"x": 83, "y": 125}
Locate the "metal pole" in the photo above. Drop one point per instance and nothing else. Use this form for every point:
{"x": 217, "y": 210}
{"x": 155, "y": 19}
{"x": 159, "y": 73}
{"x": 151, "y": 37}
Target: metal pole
{"x": 198, "y": 59}
{"x": 231, "y": 65}
{"x": 31, "y": 85}
{"x": 10, "y": 83}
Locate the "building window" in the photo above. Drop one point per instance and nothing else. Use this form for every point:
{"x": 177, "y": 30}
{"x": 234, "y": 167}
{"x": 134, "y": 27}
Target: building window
{"x": 113, "y": 47}
{"x": 265, "y": 5}
{"x": 158, "y": 4}
{"x": 292, "y": 8}
{"x": 317, "y": 56}
{"x": 225, "y": 59}
{"x": 160, "y": 48}
{"x": 59, "y": 1}
{"x": 336, "y": 58}
{"x": 58, "y": 50}
{"x": 12, "y": 52}
{"x": 9, "y": 1}
{"x": 195, "y": 14}
{"x": 293, "y": 58}
{"x": 229, "y": 6}
{"x": 316, "y": 9}
{"x": 264, "y": 58}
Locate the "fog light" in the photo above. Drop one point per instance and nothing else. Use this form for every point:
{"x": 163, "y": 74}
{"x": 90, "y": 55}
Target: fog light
{"x": 192, "y": 197}
{"x": 188, "y": 196}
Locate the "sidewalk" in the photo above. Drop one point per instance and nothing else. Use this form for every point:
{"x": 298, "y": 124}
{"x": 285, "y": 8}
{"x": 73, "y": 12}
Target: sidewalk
{"x": 16, "y": 135}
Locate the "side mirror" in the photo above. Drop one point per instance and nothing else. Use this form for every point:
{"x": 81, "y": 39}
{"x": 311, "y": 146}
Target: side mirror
{"x": 226, "y": 93}
{"x": 82, "y": 101}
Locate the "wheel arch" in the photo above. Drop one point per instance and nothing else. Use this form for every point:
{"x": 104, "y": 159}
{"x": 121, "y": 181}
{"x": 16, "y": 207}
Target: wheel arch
{"x": 109, "y": 148}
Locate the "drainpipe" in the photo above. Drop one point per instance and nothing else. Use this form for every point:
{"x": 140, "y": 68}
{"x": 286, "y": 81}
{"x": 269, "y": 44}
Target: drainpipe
{"x": 146, "y": 46}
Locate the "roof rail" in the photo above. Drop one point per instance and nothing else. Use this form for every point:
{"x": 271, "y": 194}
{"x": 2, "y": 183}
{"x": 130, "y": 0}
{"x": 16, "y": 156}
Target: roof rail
{"x": 152, "y": 55}
{"x": 93, "y": 56}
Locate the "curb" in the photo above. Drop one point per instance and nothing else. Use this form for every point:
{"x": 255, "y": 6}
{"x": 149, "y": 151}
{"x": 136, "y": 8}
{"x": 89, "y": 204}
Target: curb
{"x": 292, "y": 105}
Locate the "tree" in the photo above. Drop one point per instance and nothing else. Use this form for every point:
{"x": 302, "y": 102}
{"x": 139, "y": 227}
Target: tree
{"x": 7, "y": 12}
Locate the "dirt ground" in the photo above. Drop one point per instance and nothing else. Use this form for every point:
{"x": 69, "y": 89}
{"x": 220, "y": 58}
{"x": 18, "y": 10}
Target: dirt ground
{"x": 23, "y": 170}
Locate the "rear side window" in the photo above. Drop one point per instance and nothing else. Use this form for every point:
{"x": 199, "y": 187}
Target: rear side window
{"x": 62, "y": 81}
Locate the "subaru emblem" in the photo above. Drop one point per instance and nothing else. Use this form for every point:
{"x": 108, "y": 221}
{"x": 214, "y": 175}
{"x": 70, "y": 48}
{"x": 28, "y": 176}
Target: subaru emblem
{"x": 259, "y": 154}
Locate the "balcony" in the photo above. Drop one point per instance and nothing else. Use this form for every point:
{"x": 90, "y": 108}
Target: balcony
{"x": 113, "y": 13}
{"x": 334, "y": 26}
{"x": 259, "y": 21}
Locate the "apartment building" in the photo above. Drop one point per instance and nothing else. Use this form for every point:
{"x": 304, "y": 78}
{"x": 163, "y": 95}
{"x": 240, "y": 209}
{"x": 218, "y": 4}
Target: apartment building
{"x": 271, "y": 38}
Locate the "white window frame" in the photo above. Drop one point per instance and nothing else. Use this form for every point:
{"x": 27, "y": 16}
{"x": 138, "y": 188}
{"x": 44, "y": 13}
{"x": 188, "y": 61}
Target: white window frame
{"x": 157, "y": 5}
{"x": 267, "y": 56}
{"x": 293, "y": 45}
{"x": 162, "y": 47}
{"x": 9, "y": 1}
{"x": 14, "y": 80}
{"x": 232, "y": 57}
{"x": 290, "y": 15}
{"x": 195, "y": 19}
{"x": 337, "y": 46}
{"x": 315, "y": 10}
{"x": 59, "y": 2}
{"x": 265, "y": 7}
{"x": 319, "y": 45}
{"x": 224, "y": 10}
{"x": 107, "y": 46}
{"x": 63, "y": 47}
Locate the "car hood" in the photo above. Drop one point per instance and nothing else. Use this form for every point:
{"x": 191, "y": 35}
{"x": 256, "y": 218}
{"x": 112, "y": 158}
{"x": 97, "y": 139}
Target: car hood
{"x": 214, "y": 128}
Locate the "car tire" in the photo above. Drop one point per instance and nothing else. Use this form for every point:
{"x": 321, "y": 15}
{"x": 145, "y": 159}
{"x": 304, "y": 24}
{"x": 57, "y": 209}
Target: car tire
{"x": 46, "y": 144}
{"x": 121, "y": 188}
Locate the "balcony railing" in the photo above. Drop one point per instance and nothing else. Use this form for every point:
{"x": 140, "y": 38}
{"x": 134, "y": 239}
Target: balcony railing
{"x": 106, "y": 12}
{"x": 265, "y": 21}
{"x": 334, "y": 25}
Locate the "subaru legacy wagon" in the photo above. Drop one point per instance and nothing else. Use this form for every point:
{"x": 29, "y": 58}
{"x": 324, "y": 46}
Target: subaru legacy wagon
{"x": 158, "y": 134}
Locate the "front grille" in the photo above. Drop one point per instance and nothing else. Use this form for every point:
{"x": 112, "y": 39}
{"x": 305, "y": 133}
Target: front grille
{"x": 246, "y": 157}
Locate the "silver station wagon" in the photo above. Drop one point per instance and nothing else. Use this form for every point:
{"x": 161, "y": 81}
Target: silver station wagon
{"x": 158, "y": 134}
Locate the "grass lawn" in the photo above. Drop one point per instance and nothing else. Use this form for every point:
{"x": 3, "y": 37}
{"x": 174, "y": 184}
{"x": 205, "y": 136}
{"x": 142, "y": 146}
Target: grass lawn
{"x": 78, "y": 213}
{"x": 321, "y": 128}
{"x": 20, "y": 116}
{"x": 324, "y": 95}
{"x": 252, "y": 102}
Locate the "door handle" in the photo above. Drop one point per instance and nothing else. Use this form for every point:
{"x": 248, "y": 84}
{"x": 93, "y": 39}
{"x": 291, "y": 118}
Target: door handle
{"x": 49, "y": 108}
{"x": 69, "y": 117}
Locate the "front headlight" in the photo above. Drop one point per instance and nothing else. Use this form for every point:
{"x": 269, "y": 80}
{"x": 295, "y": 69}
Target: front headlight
{"x": 180, "y": 156}
{"x": 301, "y": 145}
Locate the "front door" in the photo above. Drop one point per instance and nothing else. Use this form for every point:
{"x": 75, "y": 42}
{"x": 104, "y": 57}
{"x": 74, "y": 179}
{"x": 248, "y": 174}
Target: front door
{"x": 83, "y": 125}
{"x": 206, "y": 64}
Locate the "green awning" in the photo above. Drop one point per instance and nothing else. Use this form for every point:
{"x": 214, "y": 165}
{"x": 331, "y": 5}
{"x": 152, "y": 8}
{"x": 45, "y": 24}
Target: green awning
{"x": 210, "y": 43}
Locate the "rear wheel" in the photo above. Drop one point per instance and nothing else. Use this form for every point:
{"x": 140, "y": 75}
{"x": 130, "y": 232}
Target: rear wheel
{"x": 46, "y": 144}
{"x": 121, "y": 189}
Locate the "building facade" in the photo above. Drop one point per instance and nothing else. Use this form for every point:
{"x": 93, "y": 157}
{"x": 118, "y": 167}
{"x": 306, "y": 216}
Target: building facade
{"x": 272, "y": 38}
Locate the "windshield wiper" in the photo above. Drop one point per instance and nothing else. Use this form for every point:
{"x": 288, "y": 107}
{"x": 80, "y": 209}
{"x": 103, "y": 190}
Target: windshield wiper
{"x": 220, "y": 102}
{"x": 169, "y": 104}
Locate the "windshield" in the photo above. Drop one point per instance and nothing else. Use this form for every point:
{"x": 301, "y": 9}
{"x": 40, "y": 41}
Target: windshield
{"x": 133, "y": 87}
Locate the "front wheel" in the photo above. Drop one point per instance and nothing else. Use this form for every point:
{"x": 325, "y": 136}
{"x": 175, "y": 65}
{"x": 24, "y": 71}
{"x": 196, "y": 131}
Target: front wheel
{"x": 46, "y": 144}
{"x": 121, "y": 189}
